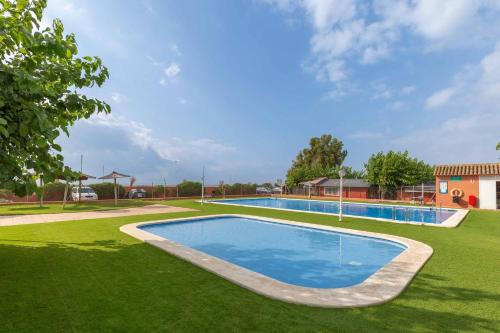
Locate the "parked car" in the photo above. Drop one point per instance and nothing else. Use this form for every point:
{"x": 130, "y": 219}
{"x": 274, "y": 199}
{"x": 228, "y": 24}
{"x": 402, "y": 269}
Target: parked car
{"x": 86, "y": 193}
{"x": 136, "y": 193}
{"x": 263, "y": 190}
{"x": 277, "y": 190}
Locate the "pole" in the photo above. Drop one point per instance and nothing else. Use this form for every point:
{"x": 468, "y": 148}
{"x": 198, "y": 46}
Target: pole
{"x": 203, "y": 185}
{"x": 164, "y": 188}
{"x": 341, "y": 174}
{"x": 65, "y": 193}
{"x": 80, "y": 179}
{"x": 423, "y": 198}
{"x": 42, "y": 185}
{"x": 116, "y": 198}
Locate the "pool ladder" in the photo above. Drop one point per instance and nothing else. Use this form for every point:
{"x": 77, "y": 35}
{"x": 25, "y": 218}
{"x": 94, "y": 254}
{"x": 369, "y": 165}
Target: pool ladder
{"x": 405, "y": 214}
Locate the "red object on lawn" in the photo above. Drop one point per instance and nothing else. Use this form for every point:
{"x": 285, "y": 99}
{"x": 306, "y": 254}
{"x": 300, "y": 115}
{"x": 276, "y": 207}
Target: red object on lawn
{"x": 472, "y": 200}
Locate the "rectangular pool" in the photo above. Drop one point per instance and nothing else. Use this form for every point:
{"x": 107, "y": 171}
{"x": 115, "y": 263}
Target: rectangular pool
{"x": 296, "y": 255}
{"x": 376, "y": 211}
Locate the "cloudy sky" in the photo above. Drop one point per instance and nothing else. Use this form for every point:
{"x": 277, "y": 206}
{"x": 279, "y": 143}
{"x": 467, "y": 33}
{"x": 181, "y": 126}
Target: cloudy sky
{"x": 241, "y": 86}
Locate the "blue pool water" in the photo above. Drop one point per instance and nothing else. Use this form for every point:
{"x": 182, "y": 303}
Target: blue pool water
{"x": 301, "y": 256}
{"x": 397, "y": 213}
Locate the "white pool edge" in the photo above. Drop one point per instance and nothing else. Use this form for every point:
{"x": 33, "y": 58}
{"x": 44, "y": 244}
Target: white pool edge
{"x": 451, "y": 222}
{"x": 382, "y": 286}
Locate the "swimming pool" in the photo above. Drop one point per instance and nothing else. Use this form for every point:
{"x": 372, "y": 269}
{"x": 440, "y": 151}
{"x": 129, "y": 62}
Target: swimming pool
{"x": 292, "y": 261}
{"x": 301, "y": 256}
{"x": 407, "y": 214}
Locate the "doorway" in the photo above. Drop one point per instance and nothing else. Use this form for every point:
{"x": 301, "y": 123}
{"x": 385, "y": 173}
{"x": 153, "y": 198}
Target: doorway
{"x": 498, "y": 195}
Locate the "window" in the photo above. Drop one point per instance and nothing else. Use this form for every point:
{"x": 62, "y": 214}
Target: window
{"x": 443, "y": 187}
{"x": 332, "y": 191}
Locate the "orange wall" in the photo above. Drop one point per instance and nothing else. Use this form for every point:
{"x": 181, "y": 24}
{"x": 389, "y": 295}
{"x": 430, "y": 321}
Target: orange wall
{"x": 469, "y": 185}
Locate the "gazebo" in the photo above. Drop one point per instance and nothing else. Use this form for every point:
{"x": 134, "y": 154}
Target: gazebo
{"x": 115, "y": 175}
{"x": 81, "y": 176}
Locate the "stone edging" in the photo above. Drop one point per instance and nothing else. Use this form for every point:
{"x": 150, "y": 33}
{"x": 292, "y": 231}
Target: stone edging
{"x": 383, "y": 286}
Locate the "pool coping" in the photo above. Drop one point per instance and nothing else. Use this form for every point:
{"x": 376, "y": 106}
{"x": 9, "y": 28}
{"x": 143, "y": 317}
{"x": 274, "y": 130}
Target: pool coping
{"x": 382, "y": 286}
{"x": 451, "y": 222}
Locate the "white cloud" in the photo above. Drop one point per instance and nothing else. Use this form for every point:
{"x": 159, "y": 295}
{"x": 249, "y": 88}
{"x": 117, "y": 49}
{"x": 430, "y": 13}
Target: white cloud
{"x": 407, "y": 90}
{"x": 470, "y": 117}
{"x": 117, "y": 97}
{"x": 440, "y": 98}
{"x": 172, "y": 70}
{"x": 125, "y": 145}
{"x": 366, "y": 135}
{"x": 397, "y": 105}
{"x": 347, "y": 31}
{"x": 183, "y": 101}
{"x": 381, "y": 90}
{"x": 174, "y": 48}
{"x": 163, "y": 81}
{"x": 174, "y": 149}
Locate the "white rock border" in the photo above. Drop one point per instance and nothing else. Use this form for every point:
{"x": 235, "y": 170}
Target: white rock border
{"x": 451, "y": 222}
{"x": 382, "y": 286}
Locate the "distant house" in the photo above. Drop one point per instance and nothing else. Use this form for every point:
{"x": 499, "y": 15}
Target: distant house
{"x": 325, "y": 187}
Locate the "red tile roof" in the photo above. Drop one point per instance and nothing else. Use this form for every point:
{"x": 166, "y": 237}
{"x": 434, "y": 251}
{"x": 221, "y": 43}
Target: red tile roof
{"x": 481, "y": 169}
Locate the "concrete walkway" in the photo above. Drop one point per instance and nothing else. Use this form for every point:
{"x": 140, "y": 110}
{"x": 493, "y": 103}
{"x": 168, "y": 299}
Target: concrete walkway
{"x": 47, "y": 218}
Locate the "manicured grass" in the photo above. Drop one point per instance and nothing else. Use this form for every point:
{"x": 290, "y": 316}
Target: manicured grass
{"x": 87, "y": 276}
{"x": 84, "y": 206}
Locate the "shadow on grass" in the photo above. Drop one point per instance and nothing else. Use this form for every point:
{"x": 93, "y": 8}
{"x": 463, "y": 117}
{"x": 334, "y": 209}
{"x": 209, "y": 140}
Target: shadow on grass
{"x": 110, "y": 285}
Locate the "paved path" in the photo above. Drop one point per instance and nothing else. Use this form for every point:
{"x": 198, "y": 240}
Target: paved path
{"x": 46, "y": 218}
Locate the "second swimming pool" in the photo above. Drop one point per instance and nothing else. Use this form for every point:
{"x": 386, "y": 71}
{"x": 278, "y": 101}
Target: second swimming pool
{"x": 376, "y": 211}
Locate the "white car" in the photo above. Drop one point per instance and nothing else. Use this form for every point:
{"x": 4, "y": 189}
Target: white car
{"x": 87, "y": 193}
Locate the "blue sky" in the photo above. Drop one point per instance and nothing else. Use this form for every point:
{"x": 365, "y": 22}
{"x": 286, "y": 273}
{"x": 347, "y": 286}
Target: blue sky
{"x": 241, "y": 86}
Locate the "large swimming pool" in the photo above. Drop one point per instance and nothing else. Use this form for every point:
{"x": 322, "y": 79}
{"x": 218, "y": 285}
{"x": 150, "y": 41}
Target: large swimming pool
{"x": 376, "y": 211}
{"x": 296, "y": 255}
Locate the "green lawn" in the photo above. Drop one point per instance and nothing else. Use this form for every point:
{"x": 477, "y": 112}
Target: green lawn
{"x": 85, "y": 206}
{"x": 87, "y": 276}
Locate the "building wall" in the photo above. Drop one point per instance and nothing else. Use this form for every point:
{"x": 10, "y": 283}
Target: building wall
{"x": 468, "y": 184}
{"x": 488, "y": 191}
{"x": 349, "y": 192}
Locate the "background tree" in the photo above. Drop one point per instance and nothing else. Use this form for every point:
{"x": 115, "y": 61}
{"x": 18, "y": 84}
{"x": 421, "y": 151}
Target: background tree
{"x": 392, "y": 170}
{"x": 41, "y": 79}
{"x": 323, "y": 155}
{"x": 189, "y": 188}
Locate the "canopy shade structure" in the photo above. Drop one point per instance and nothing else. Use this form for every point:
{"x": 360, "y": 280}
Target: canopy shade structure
{"x": 114, "y": 175}
{"x": 81, "y": 176}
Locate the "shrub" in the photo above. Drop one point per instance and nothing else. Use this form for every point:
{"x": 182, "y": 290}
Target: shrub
{"x": 189, "y": 188}
{"x": 54, "y": 191}
{"x": 106, "y": 191}
{"x": 241, "y": 189}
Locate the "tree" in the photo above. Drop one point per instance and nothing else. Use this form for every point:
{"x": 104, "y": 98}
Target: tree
{"x": 325, "y": 151}
{"x": 392, "y": 170}
{"x": 189, "y": 188}
{"x": 41, "y": 79}
{"x": 318, "y": 160}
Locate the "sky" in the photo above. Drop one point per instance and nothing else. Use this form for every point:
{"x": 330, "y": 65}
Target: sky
{"x": 241, "y": 86}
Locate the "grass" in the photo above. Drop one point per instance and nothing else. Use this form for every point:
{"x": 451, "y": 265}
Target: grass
{"x": 84, "y": 206}
{"x": 87, "y": 276}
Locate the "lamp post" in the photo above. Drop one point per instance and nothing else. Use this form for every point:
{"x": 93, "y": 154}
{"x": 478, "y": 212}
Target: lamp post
{"x": 341, "y": 174}
{"x": 203, "y": 186}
